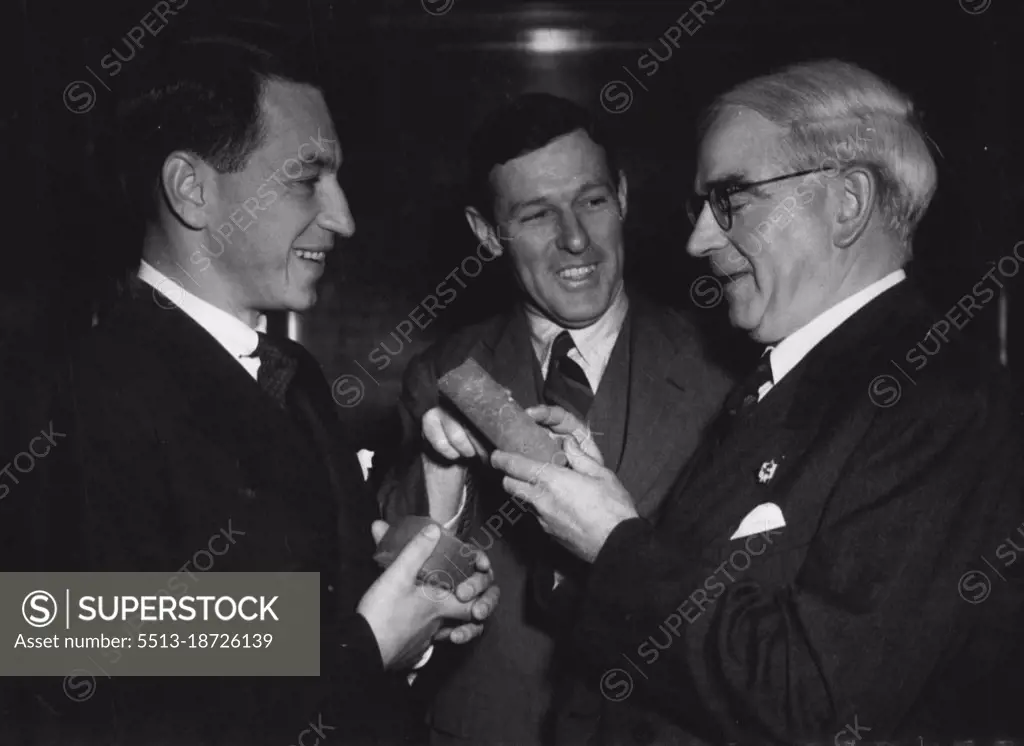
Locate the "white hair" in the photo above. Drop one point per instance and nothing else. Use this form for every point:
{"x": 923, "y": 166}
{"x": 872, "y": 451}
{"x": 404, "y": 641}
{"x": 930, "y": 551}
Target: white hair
{"x": 835, "y": 111}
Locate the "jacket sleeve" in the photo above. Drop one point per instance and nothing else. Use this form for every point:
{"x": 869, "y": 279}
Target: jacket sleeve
{"x": 402, "y": 491}
{"x": 367, "y": 703}
{"x": 871, "y": 615}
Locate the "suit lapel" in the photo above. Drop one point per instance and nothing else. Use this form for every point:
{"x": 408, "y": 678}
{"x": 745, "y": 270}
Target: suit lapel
{"x": 608, "y": 414}
{"x": 308, "y": 398}
{"x": 672, "y": 394}
{"x": 505, "y": 359}
{"x": 355, "y": 509}
{"x": 859, "y": 348}
{"x": 722, "y": 484}
{"x": 726, "y": 482}
{"x": 227, "y": 405}
{"x": 654, "y": 400}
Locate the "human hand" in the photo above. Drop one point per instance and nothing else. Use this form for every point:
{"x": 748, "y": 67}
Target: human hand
{"x": 451, "y": 438}
{"x": 484, "y": 594}
{"x": 405, "y": 614}
{"x": 579, "y": 506}
{"x": 564, "y": 423}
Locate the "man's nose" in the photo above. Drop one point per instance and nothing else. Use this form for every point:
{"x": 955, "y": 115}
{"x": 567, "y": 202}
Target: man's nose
{"x": 707, "y": 234}
{"x": 334, "y": 213}
{"x": 572, "y": 235}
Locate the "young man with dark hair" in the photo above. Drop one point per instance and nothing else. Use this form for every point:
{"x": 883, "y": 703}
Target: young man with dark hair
{"x": 547, "y": 197}
{"x": 186, "y": 420}
{"x": 524, "y": 124}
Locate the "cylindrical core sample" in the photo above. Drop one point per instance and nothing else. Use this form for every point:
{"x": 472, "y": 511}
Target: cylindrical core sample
{"x": 491, "y": 408}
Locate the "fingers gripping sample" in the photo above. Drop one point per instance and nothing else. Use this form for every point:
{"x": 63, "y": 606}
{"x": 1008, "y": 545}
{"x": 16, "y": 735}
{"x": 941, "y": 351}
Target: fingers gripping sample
{"x": 491, "y": 408}
{"x": 449, "y": 564}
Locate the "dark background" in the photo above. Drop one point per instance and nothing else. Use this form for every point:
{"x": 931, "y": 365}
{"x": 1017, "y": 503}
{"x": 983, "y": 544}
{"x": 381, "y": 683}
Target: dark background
{"x": 409, "y": 80}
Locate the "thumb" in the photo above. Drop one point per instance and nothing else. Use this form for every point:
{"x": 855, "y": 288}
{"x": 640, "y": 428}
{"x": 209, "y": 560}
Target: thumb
{"x": 409, "y": 561}
{"x": 581, "y": 462}
{"x": 378, "y": 529}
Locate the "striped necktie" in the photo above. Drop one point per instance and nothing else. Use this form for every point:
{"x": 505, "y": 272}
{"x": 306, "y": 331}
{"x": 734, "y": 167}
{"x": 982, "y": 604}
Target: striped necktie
{"x": 566, "y": 385}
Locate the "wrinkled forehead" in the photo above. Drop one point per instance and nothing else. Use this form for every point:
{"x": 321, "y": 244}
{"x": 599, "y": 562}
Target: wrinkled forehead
{"x": 740, "y": 145}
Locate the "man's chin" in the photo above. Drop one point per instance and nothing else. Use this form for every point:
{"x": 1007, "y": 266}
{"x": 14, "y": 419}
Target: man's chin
{"x": 579, "y": 316}
{"x": 758, "y": 332}
{"x": 294, "y": 302}
{"x": 306, "y": 303}
{"x": 742, "y": 316}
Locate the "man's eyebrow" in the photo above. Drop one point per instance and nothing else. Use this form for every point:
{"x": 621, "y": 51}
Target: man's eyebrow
{"x": 600, "y": 184}
{"x": 536, "y": 202}
{"x": 325, "y": 162}
{"x": 729, "y": 179}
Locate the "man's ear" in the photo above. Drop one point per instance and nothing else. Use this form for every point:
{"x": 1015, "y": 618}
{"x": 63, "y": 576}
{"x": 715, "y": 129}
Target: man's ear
{"x": 623, "y": 194}
{"x": 856, "y": 205}
{"x": 483, "y": 231}
{"x": 187, "y": 185}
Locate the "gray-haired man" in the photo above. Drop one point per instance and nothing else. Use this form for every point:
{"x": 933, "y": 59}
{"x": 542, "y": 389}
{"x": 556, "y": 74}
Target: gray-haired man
{"x": 805, "y": 577}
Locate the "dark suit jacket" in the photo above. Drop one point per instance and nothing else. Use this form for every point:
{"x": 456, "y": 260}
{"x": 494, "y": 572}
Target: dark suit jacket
{"x": 656, "y": 396}
{"x": 173, "y": 442}
{"x": 855, "y": 612}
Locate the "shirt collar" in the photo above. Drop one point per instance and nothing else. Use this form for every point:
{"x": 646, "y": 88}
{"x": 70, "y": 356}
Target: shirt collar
{"x": 232, "y": 333}
{"x": 590, "y": 340}
{"x": 788, "y": 353}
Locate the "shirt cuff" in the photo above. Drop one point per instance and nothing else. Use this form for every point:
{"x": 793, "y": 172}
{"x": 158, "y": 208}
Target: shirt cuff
{"x": 451, "y": 523}
{"x": 424, "y": 659}
{"x": 411, "y": 677}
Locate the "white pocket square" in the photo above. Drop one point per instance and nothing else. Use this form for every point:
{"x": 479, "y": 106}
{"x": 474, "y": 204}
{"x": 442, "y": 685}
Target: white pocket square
{"x": 764, "y": 517}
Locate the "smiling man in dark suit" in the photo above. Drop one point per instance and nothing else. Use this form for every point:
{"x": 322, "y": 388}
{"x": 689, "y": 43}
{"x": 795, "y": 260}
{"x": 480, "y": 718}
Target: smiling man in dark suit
{"x": 548, "y": 200}
{"x": 805, "y": 578}
{"x": 204, "y": 443}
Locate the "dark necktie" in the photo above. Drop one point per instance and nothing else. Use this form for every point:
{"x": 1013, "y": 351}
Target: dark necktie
{"x": 743, "y": 398}
{"x": 277, "y": 369}
{"x": 566, "y": 385}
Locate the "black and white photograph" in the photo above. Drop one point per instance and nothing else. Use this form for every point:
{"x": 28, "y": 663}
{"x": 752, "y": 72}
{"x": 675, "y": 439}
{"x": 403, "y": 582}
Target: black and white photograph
{"x": 512, "y": 373}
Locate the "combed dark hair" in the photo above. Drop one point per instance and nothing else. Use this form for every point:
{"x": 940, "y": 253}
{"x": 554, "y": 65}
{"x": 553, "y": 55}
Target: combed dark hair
{"x": 523, "y": 125}
{"x": 203, "y": 96}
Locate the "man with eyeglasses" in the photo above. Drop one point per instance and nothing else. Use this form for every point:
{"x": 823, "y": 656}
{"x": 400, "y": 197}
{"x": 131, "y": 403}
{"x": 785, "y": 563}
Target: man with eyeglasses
{"x": 719, "y": 194}
{"x": 815, "y": 571}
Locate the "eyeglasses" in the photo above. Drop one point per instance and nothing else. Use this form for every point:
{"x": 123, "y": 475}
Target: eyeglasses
{"x": 719, "y": 197}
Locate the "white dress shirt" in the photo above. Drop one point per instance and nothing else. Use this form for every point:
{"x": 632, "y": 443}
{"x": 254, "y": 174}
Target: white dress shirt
{"x": 788, "y": 353}
{"x": 233, "y": 334}
{"x": 594, "y": 344}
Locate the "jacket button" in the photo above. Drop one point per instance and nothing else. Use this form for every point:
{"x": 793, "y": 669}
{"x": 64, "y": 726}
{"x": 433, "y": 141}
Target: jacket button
{"x": 330, "y": 588}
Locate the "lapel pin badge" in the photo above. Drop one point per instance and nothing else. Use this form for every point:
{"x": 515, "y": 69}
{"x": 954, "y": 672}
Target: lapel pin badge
{"x": 767, "y": 471}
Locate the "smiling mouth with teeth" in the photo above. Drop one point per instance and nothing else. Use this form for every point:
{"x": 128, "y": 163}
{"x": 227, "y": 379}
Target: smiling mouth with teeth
{"x": 313, "y": 256}
{"x": 577, "y": 273}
